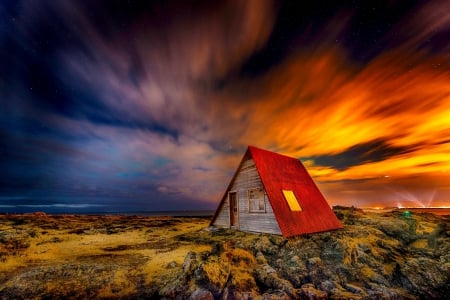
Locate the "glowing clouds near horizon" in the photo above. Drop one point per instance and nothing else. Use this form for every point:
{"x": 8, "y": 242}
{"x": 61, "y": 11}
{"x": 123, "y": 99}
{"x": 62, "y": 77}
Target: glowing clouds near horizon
{"x": 321, "y": 104}
{"x": 407, "y": 108}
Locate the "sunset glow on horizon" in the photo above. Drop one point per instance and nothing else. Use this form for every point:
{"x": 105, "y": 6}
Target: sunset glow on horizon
{"x": 151, "y": 106}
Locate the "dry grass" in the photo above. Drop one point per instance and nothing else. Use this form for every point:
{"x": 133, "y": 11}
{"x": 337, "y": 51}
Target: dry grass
{"x": 159, "y": 261}
{"x": 11, "y": 263}
{"x": 422, "y": 244}
{"x": 113, "y": 254}
{"x": 366, "y": 241}
{"x": 121, "y": 285}
{"x": 92, "y": 257}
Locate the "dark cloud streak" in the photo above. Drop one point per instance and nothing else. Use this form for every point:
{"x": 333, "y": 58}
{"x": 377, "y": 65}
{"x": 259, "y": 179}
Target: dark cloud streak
{"x": 373, "y": 151}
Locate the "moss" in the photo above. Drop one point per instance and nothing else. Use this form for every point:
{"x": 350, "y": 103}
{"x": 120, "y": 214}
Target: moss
{"x": 129, "y": 257}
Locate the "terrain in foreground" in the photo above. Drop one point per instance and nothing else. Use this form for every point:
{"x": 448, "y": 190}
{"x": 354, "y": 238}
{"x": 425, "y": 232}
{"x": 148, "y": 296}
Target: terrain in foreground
{"x": 384, "y": 256}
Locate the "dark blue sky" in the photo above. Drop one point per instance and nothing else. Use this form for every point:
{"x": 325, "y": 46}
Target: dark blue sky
{"x": 149, "y": 105}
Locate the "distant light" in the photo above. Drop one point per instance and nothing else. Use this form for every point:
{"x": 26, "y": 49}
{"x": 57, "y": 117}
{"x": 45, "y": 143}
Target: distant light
{"x": 386, "y": 176}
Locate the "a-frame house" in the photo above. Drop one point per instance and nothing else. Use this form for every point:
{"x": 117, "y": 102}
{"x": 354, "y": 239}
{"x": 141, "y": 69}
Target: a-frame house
{"x": 273, "y": 193}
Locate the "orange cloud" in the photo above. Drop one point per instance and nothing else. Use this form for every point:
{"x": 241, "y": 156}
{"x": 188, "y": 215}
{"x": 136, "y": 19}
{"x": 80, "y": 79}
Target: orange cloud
{"x": 321, "y": 104}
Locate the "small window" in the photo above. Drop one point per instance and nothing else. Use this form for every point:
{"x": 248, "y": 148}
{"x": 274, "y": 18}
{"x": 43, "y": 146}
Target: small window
{"x": 292, "y": 201}
{"x": 256, "y": 200}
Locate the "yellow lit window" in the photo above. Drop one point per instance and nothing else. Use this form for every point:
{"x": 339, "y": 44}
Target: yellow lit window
{"x": 291, "y": 200}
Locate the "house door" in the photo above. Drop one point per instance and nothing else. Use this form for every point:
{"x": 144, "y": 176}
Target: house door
{"x": 233, "y": 208}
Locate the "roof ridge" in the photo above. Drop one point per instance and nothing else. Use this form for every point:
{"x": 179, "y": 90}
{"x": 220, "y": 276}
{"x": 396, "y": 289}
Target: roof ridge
{"x": 271, "y": 152}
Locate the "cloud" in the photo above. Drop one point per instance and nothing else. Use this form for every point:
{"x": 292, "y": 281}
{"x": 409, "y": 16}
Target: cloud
{"x": 154, "y": 104}
{"x": 319, "y": 104}
{"x": 372, "y": 151}
{"x": 129, "y": 99}
{"x": 429, "y": 22}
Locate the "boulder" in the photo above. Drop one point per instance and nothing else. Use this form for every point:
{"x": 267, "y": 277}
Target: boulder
{"x": 213, "y": 275}
{"x": 308, "y": 291}
{"x": 201, "y": 294}
{"x": 268, "y": 277}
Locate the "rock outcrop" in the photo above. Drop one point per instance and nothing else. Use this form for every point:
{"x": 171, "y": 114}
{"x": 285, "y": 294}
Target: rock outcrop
{"x": 375, "y": 256}
{"x": 378, "y": 256}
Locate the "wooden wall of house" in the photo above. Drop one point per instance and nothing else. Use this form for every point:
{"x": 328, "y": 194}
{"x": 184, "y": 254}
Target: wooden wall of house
{"x": 248, "y": 178}
{"x": 223, "y": 217}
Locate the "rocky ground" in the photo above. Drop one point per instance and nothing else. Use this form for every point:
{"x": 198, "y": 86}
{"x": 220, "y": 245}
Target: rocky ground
{"x": 376, "y": 256}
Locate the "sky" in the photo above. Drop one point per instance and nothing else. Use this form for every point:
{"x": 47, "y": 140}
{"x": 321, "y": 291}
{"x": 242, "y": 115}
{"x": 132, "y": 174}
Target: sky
{"x": 150, "y": 105}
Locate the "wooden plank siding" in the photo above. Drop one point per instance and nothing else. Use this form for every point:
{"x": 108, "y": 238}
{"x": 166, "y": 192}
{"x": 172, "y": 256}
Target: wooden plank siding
{"x": 223, "y": 217}
{"x": 248, "y": 178}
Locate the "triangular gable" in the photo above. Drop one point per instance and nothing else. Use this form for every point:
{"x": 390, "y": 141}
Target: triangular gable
{"x": 278, "y": 173}
{"x": 245, "y": 178}
{"x": 225, "y": 195}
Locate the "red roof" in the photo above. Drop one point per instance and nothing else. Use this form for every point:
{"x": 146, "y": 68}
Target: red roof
{"x": 279, "y": 172}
